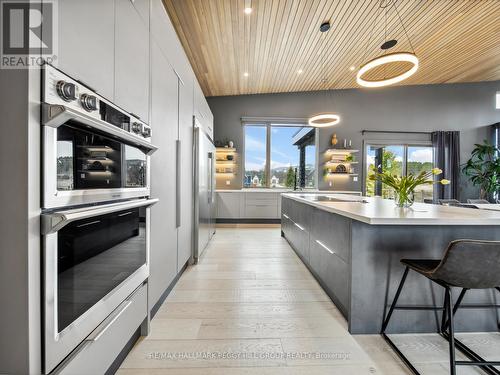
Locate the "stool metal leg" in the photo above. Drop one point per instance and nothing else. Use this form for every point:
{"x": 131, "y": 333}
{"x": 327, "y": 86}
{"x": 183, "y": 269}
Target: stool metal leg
{"x": 444, "y": 316}
{"x": 396, "y": 297}
{"x": 451, "y": 330}
{"x": 445, "y": 323}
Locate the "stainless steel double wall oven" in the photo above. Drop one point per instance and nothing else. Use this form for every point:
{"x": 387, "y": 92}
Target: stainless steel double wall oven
{"x": 95, "y": 211}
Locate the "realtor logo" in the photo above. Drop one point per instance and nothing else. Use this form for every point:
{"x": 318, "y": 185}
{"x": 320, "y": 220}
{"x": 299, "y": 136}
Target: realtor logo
{"x": 28, "y": 33}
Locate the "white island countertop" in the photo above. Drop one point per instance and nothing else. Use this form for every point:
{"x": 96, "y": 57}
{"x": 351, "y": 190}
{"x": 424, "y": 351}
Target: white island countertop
{"x": 281, "y": 191}
{"x": 378, "y": 211}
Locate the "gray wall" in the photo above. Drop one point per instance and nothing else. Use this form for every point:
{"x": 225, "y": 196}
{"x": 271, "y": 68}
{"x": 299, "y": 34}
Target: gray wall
{"x": 468, "y": 107}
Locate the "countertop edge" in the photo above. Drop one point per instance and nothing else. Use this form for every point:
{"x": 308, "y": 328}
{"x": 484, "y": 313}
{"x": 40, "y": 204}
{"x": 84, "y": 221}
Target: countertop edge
{"x": 398, "y": 221}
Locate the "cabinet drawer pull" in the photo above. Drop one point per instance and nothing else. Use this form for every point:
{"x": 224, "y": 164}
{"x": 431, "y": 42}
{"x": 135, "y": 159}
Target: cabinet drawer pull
{"x": 89, "y": 223}
{"x": 298, "y": 226}
{"x": 325, "y": 247}
{"x": 125, "y": 214}
{"x": 96, "y": 336}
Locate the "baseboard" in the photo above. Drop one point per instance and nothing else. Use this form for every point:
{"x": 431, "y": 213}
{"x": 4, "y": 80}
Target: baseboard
{"x": 248, "y": 221}
{"x": 167, "y": 291}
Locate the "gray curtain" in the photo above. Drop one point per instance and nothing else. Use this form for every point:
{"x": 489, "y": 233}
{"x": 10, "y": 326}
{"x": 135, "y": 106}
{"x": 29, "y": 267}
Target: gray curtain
{"x": 447, "y": 157}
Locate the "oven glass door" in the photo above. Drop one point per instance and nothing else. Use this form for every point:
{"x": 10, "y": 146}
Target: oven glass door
{"x": 95, "y": 255}
{"x": 89, "y": 160}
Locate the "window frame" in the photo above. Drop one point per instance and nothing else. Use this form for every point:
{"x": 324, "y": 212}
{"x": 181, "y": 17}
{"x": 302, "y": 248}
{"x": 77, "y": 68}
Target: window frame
{"x": 269, "y": 124}
{"x": 394, "y": 142}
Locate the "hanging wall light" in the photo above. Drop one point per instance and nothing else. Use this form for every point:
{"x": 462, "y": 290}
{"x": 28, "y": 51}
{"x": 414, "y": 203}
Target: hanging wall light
{"x": 323, "y": 120}
{"x": 403, "y": 57}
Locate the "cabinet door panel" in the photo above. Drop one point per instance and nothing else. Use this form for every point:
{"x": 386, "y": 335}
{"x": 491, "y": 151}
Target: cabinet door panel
{"x": 186, "y": 172}
{"x": 228, "y": 205}
{"x": 261, "y": 210}
{"x": 131, "y": 60}
{"x": 163, "y": 248}
{"x": 142, "y": 7}
{"x": 333, "y": 272}
{"x": 332, "y": 230}
{"x": 163, "y": 32}
{"x": 86, "y": 42}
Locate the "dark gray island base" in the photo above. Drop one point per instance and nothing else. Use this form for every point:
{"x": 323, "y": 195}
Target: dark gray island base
{"x": 356, "y": 259}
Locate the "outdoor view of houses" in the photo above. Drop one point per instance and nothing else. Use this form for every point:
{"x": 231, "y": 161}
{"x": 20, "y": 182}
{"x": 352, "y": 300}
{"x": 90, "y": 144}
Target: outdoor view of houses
{"x": 283, "y": 159}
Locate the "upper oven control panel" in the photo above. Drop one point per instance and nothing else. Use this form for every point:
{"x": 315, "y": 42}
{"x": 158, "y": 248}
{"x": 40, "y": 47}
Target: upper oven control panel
{"x": 60, "y": 89}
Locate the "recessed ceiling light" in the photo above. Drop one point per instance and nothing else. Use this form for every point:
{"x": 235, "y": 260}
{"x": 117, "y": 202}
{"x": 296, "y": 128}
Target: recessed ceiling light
{"x": 245, "y": 74}
{"x": 300, "y": 71}
{"x": 248, "y": 6}
{"x": 352, "y": 68}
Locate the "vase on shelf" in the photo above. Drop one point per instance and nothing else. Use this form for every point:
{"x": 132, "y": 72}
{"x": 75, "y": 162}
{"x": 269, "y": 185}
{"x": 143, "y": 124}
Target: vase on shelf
{"x": 404, "y": 199}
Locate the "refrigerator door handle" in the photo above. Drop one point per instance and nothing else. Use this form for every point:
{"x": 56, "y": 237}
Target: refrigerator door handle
{"x": 178, "y": 183}
{"x": 210, "y": 179}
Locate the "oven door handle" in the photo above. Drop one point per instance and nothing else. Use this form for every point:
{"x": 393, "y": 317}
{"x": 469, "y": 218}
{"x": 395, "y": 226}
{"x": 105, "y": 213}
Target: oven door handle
{"x": 55, "y": 115}
{"x": 53, "y": 221}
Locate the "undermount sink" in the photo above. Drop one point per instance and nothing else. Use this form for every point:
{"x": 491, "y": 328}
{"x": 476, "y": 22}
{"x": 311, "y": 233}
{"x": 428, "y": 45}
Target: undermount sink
{"x": 326, "y": 198}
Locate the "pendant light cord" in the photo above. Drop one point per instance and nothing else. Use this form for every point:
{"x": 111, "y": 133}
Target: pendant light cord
{"x": 404, "y": 28}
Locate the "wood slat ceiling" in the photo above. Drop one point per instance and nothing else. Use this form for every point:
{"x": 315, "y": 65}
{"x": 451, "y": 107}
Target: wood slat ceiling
{"x": 455, "y": 40}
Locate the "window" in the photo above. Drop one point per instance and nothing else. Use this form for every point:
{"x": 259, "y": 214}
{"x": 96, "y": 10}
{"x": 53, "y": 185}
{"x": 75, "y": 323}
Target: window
{"x": 255, "y": 156}
{"x": 399, "y": 160}
{"x": 279, "y": 156}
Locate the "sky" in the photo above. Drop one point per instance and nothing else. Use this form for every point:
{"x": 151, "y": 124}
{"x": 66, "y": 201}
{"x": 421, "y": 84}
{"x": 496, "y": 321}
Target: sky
{"x": 283, "y": 152}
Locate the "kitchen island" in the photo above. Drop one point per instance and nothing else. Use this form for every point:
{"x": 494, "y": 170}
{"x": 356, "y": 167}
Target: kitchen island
{"x": 353, "y": 246}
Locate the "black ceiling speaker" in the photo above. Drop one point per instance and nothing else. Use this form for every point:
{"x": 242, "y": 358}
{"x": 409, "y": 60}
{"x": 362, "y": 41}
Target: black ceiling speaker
{"x": 325, "y": 26}
{"x": 389, "y": 44}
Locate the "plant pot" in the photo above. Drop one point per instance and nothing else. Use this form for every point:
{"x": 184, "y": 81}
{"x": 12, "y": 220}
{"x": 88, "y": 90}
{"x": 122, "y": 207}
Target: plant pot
{"x": 404, "y": 200}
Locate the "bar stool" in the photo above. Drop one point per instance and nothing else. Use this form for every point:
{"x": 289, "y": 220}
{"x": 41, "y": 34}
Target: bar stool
{"x": 467, "y": 264}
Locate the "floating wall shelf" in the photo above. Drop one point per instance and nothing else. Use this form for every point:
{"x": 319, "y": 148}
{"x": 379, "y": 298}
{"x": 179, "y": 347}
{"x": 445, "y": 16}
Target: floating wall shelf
{"x": 225, "y": 169}
{"x": 340, "y": 151}
{"x": 337, "y": 161}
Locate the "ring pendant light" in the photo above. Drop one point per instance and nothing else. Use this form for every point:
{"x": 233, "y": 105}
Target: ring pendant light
{"x": 324, "y": 120}
{"x": 387, "y": 59}
{"x": 402, "y": 57}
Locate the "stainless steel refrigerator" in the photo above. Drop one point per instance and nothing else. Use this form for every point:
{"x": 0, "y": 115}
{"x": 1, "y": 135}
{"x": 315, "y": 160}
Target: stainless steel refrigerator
{"x": 204, "y": 189}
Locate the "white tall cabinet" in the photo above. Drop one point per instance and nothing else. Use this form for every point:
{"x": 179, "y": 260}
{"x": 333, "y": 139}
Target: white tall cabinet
{"x": 86, "y": 37}
{"x": 132, "y": 57}
{"x": 164, "y": 115}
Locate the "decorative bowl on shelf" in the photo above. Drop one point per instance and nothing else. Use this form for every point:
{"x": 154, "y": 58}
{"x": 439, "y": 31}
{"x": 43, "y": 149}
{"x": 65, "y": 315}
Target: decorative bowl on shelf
{"x": 341, "y": 168}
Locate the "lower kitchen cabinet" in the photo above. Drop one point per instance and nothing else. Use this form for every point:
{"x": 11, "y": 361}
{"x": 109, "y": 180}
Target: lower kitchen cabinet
{"x": 333, "y": 231}
{"x": 96, "y": 354}
{"x": 248, "y": 205}
{"x": 228, "y": 205}
{"x": 332, "y": 271}
{"x": 323, "y": 242}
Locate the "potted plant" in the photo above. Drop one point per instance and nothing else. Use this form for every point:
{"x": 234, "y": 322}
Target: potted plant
{"x": 404, "y": 186}
{"x": 483, "y": 169}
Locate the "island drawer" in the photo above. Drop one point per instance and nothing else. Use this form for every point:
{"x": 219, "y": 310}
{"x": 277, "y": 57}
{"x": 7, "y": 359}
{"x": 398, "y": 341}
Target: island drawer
{"x": 300, "y": 213}
{"x": 333, "y": 231}
{"x": 332, "y": 271}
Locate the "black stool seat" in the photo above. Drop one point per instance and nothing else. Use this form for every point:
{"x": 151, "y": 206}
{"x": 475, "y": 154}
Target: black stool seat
{"x": 423, "y": 266}
{"x": 467, "y": 264}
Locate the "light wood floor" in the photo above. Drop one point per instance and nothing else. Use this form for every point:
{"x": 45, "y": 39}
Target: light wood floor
{"x": 250, "y": 307}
